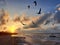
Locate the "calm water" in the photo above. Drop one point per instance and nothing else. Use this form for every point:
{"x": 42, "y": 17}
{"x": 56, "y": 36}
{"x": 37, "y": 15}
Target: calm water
{"x": 41, "y": 39}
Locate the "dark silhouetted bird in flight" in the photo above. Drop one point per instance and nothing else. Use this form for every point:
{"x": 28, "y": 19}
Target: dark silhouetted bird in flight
{"x": 39, "y": 11}
{"x": 35, "y": 3}
{"x": 33, "y": 22}
{"x": 28, "y": 6}
{"x": 47, "y": 22}
{"x": 22, "y": 23}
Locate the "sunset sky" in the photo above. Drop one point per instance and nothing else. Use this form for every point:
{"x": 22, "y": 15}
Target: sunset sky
{"x": 35, "y": 21}
{"x": 20, "y": 6}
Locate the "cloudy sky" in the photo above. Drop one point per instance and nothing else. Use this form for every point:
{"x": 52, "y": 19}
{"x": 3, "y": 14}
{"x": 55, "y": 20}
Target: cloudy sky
{"x": 34, "y": 21}
{"x": 20, "y": 6}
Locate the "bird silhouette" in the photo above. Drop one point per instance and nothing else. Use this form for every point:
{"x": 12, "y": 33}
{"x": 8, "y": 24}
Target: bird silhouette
{"x": 28, "y": 6}
{"x": 22, "y": 23}
{"x": 47, "y": 22}
{"x": 39, "y": 11}
{"x": 33, "y": 22}
{"x": 35, "y": 3}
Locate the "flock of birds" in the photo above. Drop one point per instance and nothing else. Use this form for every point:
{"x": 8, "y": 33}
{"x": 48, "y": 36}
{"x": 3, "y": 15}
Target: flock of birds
{"x": 35, "y": 3}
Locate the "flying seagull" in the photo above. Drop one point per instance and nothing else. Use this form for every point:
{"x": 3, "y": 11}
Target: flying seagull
{"x": 28, "y": 6}
{"x": 22, "y": 23}
{"x": 47, "y": 22}
{"x": 33, "y": 22}
{"x": 39, "y": 11}
{"x": 35, "y": 3}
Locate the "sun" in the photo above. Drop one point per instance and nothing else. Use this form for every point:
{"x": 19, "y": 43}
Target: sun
{"x": 12, "y": 28}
